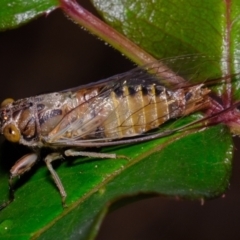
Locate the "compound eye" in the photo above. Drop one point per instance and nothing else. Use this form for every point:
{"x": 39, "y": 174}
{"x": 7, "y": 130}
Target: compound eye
{"x": 11, "y": 133}
{"x": 6, "y": 102}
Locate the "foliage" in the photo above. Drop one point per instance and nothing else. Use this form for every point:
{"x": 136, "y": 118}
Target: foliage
{"x": 187, "y": 164}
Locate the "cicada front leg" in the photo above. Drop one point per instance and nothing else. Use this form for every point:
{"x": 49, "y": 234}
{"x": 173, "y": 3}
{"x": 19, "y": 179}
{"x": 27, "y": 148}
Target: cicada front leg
{"x": 23, "y": 165}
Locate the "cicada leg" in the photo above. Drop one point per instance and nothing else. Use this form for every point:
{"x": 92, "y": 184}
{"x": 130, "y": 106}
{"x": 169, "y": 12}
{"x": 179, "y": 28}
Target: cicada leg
{"x": 48, "y": 160}
{"x": 74, "y": 153}
{"x": 23, "y": 165}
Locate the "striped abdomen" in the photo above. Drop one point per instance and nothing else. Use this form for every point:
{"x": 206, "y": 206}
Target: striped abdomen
{"x": 124, "y": 111}
{"x": 138, "y": 109}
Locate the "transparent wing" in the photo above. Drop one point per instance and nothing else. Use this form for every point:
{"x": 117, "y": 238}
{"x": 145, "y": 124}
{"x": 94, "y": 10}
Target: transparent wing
{"x": 171, "y": 72}
{"x": 83, "y": 126}
{"x": 109, "y": 114}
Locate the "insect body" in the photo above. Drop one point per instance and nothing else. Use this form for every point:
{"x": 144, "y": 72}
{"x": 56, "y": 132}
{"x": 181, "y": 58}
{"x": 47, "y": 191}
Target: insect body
{"x": 110, "y": 112}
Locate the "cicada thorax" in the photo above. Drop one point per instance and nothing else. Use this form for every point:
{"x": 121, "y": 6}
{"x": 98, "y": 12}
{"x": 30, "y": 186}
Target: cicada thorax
{"x": 125, "y": 110}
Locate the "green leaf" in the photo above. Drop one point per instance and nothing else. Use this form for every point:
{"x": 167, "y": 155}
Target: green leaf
{"x": 169, "y": 28}
{"x": 175, "y": 28}
{"x": 177, "y": 169}
{"x": 17, "y": 12}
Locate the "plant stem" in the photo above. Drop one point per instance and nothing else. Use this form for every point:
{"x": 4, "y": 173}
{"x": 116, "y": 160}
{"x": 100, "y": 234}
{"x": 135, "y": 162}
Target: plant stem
{"x": 96, "y": 26}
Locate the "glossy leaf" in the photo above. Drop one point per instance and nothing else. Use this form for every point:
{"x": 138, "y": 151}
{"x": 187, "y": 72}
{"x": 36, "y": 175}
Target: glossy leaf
{"x": 17, "y": 12}
{"x": 175, "y": 28}
{"x": 155, "y": 166}
{"x": 169, "y": 28}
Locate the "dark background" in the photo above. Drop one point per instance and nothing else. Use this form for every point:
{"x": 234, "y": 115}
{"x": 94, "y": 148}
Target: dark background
{"x": 51, "y": 54}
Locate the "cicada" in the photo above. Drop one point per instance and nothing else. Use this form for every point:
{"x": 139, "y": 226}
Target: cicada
{"x": 123, "y": 109}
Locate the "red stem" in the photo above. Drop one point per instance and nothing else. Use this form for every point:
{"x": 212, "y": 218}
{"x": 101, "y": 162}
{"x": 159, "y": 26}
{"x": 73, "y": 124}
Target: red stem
{"x": 81, "y": 16}
{"x": 228, "y": 90}
{"x": 84, "y": 18}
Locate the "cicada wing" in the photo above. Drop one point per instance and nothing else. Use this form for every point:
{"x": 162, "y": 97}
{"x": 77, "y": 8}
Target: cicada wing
{"x": 188, "y": 70}
{"x": 196, "y": 125}
{"x": 173, "y": 72}
{"x": 112, "y": 113}
{"x": 86, "y": 120}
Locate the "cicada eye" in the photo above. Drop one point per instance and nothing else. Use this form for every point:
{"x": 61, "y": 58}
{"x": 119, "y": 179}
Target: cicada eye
{"x": 6, "y": 102}
{"x": 11, "y": 133}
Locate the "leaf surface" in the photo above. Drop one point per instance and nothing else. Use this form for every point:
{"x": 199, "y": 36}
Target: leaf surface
{"x": 17, "y": 12}
{"x": 155, "y": 166}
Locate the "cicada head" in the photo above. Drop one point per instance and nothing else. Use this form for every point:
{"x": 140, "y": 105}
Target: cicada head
{"x": 17, "y": 121}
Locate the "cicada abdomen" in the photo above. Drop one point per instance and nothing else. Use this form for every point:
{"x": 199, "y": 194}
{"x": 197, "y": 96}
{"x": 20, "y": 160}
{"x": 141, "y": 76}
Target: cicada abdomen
{"x": 124, "y": 111}
{"x": 140, "y": 108}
